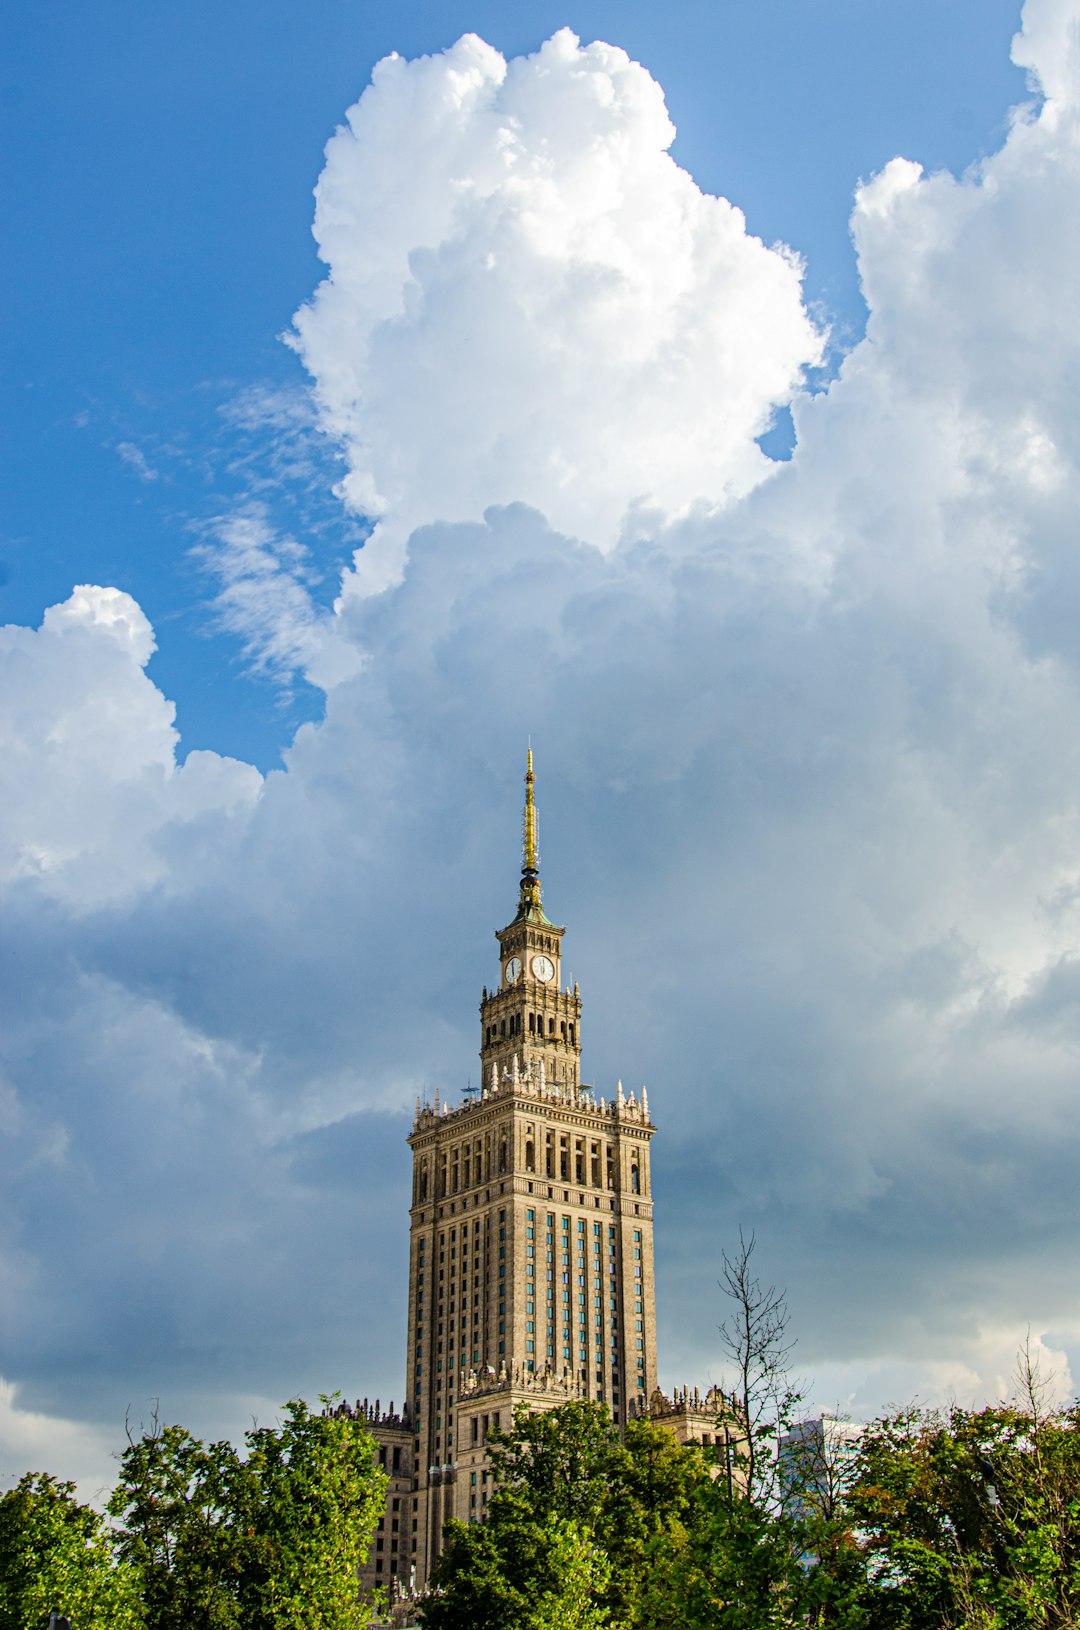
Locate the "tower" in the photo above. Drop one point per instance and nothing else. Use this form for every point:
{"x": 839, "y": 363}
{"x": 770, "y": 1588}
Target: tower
{"x": 531, "y": 1252}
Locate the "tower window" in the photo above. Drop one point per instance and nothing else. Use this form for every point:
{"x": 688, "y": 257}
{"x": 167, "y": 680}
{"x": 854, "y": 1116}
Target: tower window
{"x": 530, "y": 1156}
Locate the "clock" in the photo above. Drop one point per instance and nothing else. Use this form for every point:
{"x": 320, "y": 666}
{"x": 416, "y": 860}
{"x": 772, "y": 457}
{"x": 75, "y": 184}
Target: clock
{"x": 543, "y": 968}
{"x": 512, "y": 971}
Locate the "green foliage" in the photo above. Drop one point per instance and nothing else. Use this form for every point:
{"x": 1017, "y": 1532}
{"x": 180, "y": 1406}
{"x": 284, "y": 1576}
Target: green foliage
{"x": 972, "y": 1518}
{"x": 737, "y": 1568}
{"x": 959, "y": 1519}
{"x": 557, "y": 1461}
{"x": 574, "y": 1526}
{"x": 177, "y": 1501}
{"x": 944, "y": 1520}
{"x": 518, "y": 1573}
{"x": 270, "y": 1542}
{"x": 315, "y": 1496}
{"x": 55, "y": 1554}
{"x": 580, "y": 1575}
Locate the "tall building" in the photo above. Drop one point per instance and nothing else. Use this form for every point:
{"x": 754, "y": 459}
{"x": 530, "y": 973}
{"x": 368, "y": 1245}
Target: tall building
{"x": 531, "y": 1249}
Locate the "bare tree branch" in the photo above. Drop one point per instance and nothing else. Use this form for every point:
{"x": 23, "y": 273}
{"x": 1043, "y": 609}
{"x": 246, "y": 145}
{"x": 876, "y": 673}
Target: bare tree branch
{"x": 755, "y": 1338}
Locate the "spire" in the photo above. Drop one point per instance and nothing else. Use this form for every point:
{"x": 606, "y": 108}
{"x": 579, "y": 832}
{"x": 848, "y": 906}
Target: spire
{"x": 530, "y": 903}
{"x": 531, "y": 857}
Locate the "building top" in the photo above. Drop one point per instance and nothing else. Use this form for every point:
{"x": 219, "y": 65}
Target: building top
{"x": 529, "y": 1081}
{"x": 531, "y": 1022}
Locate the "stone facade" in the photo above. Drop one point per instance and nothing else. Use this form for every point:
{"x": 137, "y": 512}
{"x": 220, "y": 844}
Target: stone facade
{"x": 531, "y": 1251}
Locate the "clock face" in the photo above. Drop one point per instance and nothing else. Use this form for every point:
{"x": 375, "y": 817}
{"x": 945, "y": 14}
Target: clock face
{"x": 512, "y": 971}
{"x": 543, "y": 968}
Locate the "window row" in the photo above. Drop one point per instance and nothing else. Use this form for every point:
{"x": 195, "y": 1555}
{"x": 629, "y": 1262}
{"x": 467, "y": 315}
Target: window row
{"x": 533, "y": 1024}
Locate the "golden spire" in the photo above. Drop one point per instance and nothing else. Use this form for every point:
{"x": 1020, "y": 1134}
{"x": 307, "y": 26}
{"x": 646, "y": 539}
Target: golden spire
{"x": 531, "y": 855}
{"x": 530, "y": 850}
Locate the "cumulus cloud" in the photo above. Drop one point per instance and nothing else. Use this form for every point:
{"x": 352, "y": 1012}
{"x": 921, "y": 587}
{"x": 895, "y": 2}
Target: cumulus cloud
{"x": 89, "y": 779}
{"x": 809, "y": 756}
{"x": 528, "y": 300}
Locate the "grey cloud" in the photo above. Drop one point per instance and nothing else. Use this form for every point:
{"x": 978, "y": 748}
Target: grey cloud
{"x": 808, "y": 774}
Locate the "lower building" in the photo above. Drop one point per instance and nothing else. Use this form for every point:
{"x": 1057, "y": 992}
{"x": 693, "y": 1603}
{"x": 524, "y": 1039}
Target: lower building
{"x": 816, "y": 1459}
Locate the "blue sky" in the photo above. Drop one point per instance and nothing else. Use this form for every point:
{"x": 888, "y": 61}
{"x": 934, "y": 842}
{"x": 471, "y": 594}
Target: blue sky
{"x": 158, "y": 222}
{"x": 746, "y": 488}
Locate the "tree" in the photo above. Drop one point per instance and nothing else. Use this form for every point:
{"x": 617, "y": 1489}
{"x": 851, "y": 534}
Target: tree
{"x": 574, "y": 1599}
{"x": 177, "y": 1502}
{"x": 585, "y": 1530}
{"x": 56, "y": 1555}
{"x": 629, "y": 1495}
{"x": 577, "y": 1519}
{"x": 749, "y": 1557}
{"x": 653, "y": 1502}
{"x": 755, "y": 1338}
{"x": 269, "y": 1541}
{"x": 737, "y": 1569}
{"x": 517, "y": 1572}
{"x": 314, "y": 1495}
{"x": 971, "y": 1517}
{"x": 557, "y": 1461}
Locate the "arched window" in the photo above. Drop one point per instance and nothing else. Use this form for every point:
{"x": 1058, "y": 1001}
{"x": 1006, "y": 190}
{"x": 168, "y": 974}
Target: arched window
{"x": 530, "y": 1155}
{"x": 635, "y": 1178}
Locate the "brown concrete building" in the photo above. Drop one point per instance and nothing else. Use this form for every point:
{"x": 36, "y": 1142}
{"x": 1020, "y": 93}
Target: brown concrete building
{"x": 531, "y": 1250}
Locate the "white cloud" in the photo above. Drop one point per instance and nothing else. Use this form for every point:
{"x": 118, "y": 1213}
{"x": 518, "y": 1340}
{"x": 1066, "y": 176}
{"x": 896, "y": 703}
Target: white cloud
{"x": 528, "y": 300}
{"x": 32, "y": 1438}
{"x": 136, "y": 459}
{"x": 1049, "y": 47}
{"x": 109, "y": 611}
{"x": 263, "y": 597}
{"x": 88, "y": 775}
{"x": 809, "y": 770}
